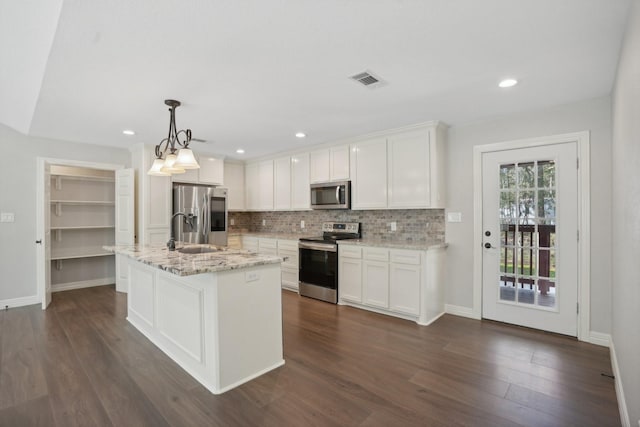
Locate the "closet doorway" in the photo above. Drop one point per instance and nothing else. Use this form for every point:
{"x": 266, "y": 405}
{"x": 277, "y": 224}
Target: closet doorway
{"x": 82, "y": 207}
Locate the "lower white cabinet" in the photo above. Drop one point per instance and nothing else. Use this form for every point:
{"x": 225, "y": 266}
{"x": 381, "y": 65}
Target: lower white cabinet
{"x": 399, "y": 282}
{"x": 288, "y": 250}
{"x": 285, "y": 248}
{"x": 350, "y": 273}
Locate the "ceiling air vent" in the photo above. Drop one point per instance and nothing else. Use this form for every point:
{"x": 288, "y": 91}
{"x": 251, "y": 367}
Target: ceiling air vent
{"x": 367, "y": 79}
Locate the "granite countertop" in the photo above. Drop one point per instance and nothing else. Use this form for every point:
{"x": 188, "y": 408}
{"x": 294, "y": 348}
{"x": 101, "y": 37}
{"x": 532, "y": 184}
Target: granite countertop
{"x": 420, "y": 245}
{"x": 189, "y": 264}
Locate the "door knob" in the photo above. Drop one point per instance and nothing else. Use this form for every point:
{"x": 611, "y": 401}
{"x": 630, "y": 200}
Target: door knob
{"x": 488, "y": 245}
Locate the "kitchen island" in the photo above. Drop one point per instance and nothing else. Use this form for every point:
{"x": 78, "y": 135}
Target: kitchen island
{"x": 218, "y": 315}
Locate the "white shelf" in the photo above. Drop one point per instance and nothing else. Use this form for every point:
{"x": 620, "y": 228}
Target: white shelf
{"x": 83, "y": 227}
{"x": 85, "y": 178}
{"x": 79, "y": 253}
{"x": 85, "y": 202}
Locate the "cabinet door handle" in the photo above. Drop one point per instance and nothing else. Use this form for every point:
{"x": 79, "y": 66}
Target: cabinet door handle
{"x": 39, "y": 241}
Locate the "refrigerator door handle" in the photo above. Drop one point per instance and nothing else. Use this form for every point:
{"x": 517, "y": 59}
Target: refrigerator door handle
{"x": 204, "y": 218}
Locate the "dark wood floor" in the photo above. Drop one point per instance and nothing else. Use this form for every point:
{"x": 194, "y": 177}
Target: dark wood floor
{"x": 80, "y": 363}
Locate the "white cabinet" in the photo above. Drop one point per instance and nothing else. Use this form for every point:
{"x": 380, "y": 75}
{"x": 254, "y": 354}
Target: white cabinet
{"x": 402, "y": 170}
{"x": 252, "y": 186}
{"x": 329, "y": 164}
{"x": 234, "y": 181}
{"x": 211, "y": 171}
{"x": 153, "y": 199}
{"x": 339, "y": 163}
{"x": 408, "y": 174}
{"x": 375, "y": 277}
{"x": 282, "y": 183}
{"x": 398, "y": 282}
{"x": 288, "y": 250}
{"x": 405, "y": 279}
{"x": 265, "y": 177}
{"x": 259, "y": 186}
{"x": 350, "y": 274}
{"x": 369, "y": 174}
{"x": 300, "y": 194}
{"x": 250, "y": 243}
{"x": 319, "y": 166}
{"x": 82, "y": 220}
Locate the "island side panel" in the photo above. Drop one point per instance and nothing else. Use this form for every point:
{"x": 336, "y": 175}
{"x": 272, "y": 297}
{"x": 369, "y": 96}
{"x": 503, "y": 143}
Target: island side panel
{"x": 250, "y": 306}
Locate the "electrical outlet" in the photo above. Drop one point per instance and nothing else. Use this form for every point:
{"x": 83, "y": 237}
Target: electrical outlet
{"x": 264, "y": 222}
{"x": 301, "y": 224}
{"x": 393, "y": 226}
{"x": 7, "y": 217}
{"x": 232, "y": 221}
{"x": 251, "y": 276}
{"x": 454, "y": 216}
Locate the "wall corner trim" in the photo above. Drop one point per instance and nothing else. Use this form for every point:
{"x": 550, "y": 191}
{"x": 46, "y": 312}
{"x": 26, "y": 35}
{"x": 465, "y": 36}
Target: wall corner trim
{"x": 622, "y": 403}
{"x": 599, "y": 338}
{"x": 458, "y": 310}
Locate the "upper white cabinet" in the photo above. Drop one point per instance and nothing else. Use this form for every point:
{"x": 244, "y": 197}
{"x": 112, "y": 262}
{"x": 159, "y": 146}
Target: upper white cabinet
{"x": 265, "y": 189}
{"x": 300, "y": 193}
{"x": 252, "y": 183}
{"x": 211, "y": 172}
{"x": 369, "y": 174}
{"x": 282, "y": 183}
{"x": 234, "y": 181}
{"x": 399, "y": 171}
{"x": 259, "y": 186}
{"x": 339, "y": 163}
{"x": 329, "y": 164}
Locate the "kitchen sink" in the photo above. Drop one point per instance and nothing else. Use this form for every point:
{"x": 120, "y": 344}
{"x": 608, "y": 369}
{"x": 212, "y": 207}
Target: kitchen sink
{"x": 197, "y": 250}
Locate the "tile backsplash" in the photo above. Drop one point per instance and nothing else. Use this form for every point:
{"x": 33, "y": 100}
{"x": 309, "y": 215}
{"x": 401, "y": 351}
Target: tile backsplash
{"x": 411, "y": 224}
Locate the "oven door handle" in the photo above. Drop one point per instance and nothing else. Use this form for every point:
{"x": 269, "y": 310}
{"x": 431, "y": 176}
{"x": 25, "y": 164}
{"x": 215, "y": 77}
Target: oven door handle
{"x": 318, "y": 246}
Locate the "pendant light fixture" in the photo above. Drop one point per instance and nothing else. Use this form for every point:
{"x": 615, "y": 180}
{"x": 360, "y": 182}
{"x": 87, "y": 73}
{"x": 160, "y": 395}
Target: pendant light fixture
{"x": 171, "y": 160}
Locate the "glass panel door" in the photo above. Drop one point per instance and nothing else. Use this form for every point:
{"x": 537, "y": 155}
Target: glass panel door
{"x": 527, "y": 234}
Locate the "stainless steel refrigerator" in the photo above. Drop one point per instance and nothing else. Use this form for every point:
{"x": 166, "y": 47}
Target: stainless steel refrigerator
{"x": 208, "y": 207}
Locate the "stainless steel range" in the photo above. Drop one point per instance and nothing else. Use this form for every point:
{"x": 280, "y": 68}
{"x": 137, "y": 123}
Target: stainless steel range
{"x": 318, "y": 269}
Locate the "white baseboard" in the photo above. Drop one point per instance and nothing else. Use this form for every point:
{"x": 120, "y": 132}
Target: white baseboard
{"x": 19, "y": 302}
{"x": 458, "y": 310}
{"x": 83, "y": 284}
{"x": 622, "y": 404}
{"x": 598, "y": 338}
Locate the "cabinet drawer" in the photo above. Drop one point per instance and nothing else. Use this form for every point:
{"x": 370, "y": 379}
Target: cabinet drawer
{"x": 376, "y": 254}
{"x": 350, "y": 251}
{"x": 267, "y": 244}
{"x": 405, "y": 257}
{"x": 250, "y": 243}
{"x": 290, "y": 245}
{"x": 291, "y": 258}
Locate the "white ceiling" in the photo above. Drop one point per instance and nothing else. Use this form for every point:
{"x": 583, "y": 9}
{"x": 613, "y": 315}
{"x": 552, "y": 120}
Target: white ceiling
{"x": 251, "y": 73}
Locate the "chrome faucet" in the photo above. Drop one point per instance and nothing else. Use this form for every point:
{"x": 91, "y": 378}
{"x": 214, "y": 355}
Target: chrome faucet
{"x": 188, "y": 219}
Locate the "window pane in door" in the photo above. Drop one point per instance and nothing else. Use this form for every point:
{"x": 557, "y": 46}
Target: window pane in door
{"x": 528, "y": 233}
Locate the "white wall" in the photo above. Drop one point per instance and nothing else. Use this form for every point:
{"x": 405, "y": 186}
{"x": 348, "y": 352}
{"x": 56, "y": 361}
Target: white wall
{"x": 592, "y": 115}
{"x": 18, "y": 195}
{"x": 626, "y": 221}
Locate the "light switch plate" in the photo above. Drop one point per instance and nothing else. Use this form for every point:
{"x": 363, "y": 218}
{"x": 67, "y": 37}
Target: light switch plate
{"x": 7, "y": 217}
{"x": 301, "y": 224}
{"x": 232, "y": 222}
{"x": 393, "y": 226}
{"x": 264, "y": 222}
{"x": 454, "y": 216}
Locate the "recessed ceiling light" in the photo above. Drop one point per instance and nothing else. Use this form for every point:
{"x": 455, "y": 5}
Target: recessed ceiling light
{"x": 300, "y": 135}
{"x": 240, "y": 151}
{"x": 128, "y": 132}
{"x": 508, "y": 83}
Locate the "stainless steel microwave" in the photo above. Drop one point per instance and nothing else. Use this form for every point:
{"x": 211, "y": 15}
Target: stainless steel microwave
{"x": 331, "y": 195}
